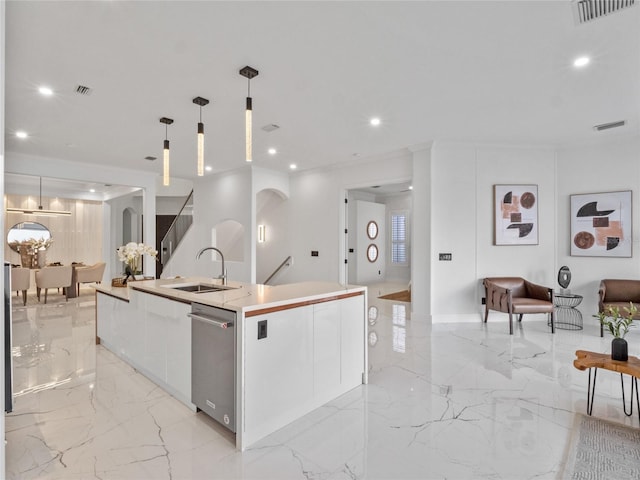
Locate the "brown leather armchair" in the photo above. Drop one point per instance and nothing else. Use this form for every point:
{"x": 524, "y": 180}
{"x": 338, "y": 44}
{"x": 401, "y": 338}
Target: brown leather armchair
{"x": 618, "y": 293}
{"x": 517, "y": 295}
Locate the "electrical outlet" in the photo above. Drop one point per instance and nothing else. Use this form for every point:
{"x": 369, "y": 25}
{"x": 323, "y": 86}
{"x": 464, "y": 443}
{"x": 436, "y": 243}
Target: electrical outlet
{"x": 447, "y": 257}
{"x": 262, "y": 329}
{"x": 484, "y": 301}
{"x": 314, "y": 253}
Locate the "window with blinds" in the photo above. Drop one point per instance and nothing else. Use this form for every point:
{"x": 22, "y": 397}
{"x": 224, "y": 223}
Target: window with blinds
{"x": 399, "y": 238}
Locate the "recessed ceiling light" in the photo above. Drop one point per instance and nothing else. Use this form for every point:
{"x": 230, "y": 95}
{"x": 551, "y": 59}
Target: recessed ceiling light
{"x": 410, "y": 187}
{"x": 272, "y": 151}
{"x": 375, "y": 121}
{"x": 92, "y": 190}
{"x": 46, "y": 91}
{"x": 581, "y": 61}
{"x": 293, "y": 166}
{"x": 21, "y": 134}
{"x": 208, "y": 168}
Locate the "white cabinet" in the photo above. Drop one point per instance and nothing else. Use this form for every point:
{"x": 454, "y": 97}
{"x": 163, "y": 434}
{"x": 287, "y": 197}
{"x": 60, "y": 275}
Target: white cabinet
{"x": 153, "y": 334}
{"x": 167, "y": 341}
{"x": 113, "y": 317}
{"x": 352, "y": 346}
{"x": 278, "y": 374}
{"x": 311, "y": 355}
{"x": 326, "y": 346}
{"x": 179, "y": 351}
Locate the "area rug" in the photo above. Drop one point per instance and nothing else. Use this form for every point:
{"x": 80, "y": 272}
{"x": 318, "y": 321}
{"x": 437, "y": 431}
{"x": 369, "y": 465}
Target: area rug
{"x": 603, "y": 450}
{"x": 403, "y": 296}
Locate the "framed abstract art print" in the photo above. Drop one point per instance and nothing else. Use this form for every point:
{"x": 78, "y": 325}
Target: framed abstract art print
{"x": 601, "y": 224}
{"x": 516, "y": 214}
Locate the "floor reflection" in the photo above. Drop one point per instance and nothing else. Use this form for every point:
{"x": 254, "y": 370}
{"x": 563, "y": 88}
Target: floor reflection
{"x": 459, "y": 400}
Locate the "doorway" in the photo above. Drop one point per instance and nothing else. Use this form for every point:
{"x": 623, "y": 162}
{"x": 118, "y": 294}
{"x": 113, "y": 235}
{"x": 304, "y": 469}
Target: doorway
{"x": 377, "y": 234}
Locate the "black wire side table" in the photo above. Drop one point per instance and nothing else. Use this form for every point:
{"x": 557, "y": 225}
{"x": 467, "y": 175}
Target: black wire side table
{"x": 568, "y": 317}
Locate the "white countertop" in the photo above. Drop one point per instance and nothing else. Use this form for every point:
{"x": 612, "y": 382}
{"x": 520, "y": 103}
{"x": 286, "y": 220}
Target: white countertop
{"x": 243, "y": 297}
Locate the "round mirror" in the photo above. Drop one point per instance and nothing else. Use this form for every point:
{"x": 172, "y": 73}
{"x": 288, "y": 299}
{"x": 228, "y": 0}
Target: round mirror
{"x": 372, "y": 229}
{"x": 33, "y": 234}
{"x": 372, "y": 253}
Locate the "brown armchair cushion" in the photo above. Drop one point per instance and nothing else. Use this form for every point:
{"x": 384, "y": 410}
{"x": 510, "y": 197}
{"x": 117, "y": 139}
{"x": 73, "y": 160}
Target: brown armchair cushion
{"x": 618, "y": 293}
{"x": 517, "y": 295}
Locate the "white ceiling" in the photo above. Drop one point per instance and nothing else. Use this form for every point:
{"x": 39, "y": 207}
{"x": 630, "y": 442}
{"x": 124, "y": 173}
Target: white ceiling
{"x": 44, "y": 187}
{"x": 487, "y": 71}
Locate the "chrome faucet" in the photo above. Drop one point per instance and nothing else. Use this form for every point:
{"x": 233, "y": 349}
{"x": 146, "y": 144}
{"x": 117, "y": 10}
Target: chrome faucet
{"x": 223, "y": 275}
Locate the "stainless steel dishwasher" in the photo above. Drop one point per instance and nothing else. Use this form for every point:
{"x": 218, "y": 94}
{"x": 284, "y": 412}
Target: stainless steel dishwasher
{"x": 213, "y": 354}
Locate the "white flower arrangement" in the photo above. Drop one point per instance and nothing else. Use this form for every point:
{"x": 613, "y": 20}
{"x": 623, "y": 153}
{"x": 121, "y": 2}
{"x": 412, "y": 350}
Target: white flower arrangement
{"x": 32, "y": 245}
{"x": 132, "y": 252}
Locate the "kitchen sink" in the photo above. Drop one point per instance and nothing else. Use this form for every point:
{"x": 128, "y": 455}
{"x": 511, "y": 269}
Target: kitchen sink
{"x": 199, "y": 287}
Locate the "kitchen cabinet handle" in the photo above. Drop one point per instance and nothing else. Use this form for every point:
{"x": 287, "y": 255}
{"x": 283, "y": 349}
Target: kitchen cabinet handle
{"x": 210, "y": 320}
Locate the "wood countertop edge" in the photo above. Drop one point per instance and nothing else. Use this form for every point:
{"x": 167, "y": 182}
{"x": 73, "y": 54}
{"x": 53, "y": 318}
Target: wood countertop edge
{"x": 113, "y": 295}
{"x": 304, "y": 303}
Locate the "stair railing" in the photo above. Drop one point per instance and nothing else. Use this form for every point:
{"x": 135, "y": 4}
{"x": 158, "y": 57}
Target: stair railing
{"x": 286, "y": 263}
{"x": 177, "y": 230}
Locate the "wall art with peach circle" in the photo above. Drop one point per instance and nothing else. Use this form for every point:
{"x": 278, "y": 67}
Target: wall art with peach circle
{"x": 601, "y": 224}
{"x": 516, "y": 214}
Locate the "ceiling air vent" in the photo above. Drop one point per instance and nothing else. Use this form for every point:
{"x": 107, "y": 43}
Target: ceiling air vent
{"x": 150, "y": 158}
{"x": 271, "y": 127}
{"x": 82, "y": 90}
{"x": 589, "y": 10}
{"x": 607, "y": 126}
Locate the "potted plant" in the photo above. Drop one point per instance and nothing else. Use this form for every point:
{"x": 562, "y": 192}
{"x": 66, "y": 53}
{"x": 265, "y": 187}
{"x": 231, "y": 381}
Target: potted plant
{"x": 618, "y": 324}
{"x": 131, "y": 254}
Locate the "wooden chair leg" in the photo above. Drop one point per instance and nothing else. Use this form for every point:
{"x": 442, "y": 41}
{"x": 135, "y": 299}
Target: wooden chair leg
{"x": 486, "y": 313}
{"x": 510, "y": 323}
{"x": 520, "y": 317}
{"x": 46, "y": 290}
{"x": 553, "y": 326}
{"x": 65, "y": 290}
{"x": 24, "y": 297}
{"x": 38, "y": 293}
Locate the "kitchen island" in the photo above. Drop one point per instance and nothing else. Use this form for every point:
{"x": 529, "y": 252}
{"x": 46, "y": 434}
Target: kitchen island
{"x": 295, "y": 347}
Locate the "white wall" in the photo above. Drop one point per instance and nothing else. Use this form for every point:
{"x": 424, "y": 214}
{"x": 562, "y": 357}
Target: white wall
{"x": 352, "y": 229}
{"x": 76, "y": 238}
{"x": 318, "y": 212}
{"x": 421, "y": 236}
{"x": 594, "y": 169}
{"x": 272, "y": 212}
{"x": 169, "y": 205}
{"x": 462, "y": 222}
{"x": 2, "y": 229}
{"x": 58, "y": 168}
{"x": 114, "y": 232}
{"x": 216, "y": 198}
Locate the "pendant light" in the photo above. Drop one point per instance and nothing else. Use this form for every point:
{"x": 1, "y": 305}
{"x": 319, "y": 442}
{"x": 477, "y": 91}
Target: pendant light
{"x": 201, "y": 102}
{"x": 40, "y": 210}
{"x": 165, "y": 152}
{"x": 249, "y": 73}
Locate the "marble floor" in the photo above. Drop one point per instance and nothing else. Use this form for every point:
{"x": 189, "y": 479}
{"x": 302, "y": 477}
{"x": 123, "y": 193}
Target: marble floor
{"x": 461, "y": 400}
